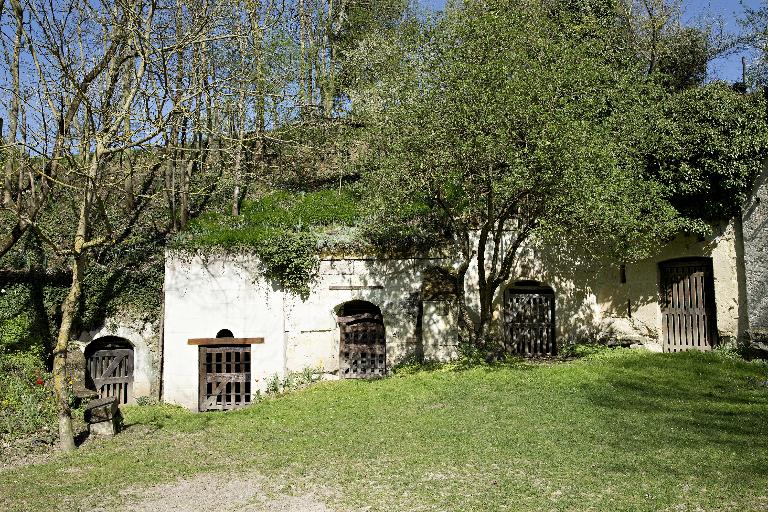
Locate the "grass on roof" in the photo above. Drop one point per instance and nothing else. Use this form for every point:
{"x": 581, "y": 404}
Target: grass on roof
{"x": 277, "y": 213}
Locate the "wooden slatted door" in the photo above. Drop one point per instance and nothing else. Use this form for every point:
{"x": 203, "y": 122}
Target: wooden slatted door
{"x": 362, "y": 346}
{"x": 111, "y": 371}
{"x": 529, "y": 318}
{"x": 687, "y": 305}
{"x": 225, "y": 377}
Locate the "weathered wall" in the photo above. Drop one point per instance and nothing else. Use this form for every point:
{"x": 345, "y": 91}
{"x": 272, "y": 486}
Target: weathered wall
{"x": 203, "y": 296}
{"x": 755, "y": 236}
{"x": 592, "y": 303}
{"x": 632, "y": 309}
{"x": 145, "y": 338}
{"x": 312, "y": 334}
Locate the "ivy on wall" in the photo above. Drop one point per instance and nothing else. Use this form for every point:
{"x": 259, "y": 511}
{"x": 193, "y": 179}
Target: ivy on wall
{"x": 286, "y": 230}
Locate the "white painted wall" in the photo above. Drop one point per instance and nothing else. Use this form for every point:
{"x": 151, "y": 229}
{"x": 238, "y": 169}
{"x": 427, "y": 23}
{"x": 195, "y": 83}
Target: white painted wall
{"x": 205, "y": 296}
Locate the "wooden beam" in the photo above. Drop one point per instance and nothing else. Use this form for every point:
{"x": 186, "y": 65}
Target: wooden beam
{"x": 225, "y": 341}
{"x": 356, "y": 287}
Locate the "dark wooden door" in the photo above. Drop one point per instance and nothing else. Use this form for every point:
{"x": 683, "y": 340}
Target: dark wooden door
{"x": 362, "y": 348}
{"x": 529, "y": 320}
{"x": 687, "y": 305}
{"x": 225, "y": 377}
{"x": 111, "y": 371}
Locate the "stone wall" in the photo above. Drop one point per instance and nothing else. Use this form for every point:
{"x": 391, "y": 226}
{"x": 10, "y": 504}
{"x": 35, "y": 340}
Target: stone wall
{"x": 144, "y": 337}
{"x": 755, "y": 236}
{"x": 593, "y": 304}
{"x": 203, "y": 296}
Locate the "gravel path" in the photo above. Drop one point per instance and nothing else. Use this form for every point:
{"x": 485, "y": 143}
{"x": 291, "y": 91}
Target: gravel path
{"x": 217, "y": 492}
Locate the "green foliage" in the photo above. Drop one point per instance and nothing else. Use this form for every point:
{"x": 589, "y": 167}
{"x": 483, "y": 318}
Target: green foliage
{"x": 499, "y": 121}
{"x": 293, "y": 380}
{"x": 683, "y": 63}
{"x": 284, "y": 229}
{"x": 515, "y": 122}
{"x": 26, "y": 407}
{"x": 27, "y": 310}
{"x": 706, "y": 145}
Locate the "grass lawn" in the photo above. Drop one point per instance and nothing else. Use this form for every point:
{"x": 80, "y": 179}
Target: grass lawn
{"x": 621, "y": 430}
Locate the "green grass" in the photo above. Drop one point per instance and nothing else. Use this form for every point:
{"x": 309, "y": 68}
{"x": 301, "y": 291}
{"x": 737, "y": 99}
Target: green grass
{"x": 275, "y": 214}
{"x": 616, "y": 431}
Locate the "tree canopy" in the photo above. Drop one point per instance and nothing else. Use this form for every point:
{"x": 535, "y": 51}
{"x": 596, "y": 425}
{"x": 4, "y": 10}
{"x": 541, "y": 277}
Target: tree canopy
{"x": 508, "y": 128}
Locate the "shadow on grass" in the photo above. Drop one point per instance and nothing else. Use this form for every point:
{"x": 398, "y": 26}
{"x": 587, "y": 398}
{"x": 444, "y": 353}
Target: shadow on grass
{"x": 692, "y": 400}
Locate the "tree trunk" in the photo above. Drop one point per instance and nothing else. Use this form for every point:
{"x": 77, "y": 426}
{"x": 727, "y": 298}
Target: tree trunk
{"x": 68, "y": 312}
{"x": 13, "y": 110}
{"x": 60, "y": 377}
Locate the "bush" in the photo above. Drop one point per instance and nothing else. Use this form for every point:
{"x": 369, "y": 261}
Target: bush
{"x": 27, "y": 400}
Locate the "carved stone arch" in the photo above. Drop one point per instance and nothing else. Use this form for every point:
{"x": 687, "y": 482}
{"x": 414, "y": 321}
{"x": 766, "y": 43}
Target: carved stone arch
{"x": 144, "y": 339}
{"x": 109, "y": 365}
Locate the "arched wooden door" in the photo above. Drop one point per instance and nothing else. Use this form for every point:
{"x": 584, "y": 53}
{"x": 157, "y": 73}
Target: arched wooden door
{"x": 109, "y": 368}
{"x": 687, "y": 304}
{"x": 362, "y": 343}
{"x": 529, "y": 319}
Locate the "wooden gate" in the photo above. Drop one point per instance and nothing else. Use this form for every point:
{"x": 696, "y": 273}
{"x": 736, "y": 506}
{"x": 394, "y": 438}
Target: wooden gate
{"x": 362, "y": 346}
{"x": 687, "y": 305}
{"x": 529, "y": 320}
{"x": 111, "y": 372}
{"x": 225, "y": 377}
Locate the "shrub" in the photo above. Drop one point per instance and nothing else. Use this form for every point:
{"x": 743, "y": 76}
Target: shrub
{"x": 27, "y": 401}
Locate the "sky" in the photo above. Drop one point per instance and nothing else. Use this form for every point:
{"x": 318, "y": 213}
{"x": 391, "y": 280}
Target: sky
{"x": 727, "y": 68}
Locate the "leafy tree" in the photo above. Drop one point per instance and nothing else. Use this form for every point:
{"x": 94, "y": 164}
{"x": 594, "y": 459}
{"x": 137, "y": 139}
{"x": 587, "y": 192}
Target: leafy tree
{"x": 497, "y": 131}
{"x": 754, "y": 36}
{"x": 707, "y": 145}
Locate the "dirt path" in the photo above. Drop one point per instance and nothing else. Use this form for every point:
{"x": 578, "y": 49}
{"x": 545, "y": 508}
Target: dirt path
{"x": 217, "y": 492}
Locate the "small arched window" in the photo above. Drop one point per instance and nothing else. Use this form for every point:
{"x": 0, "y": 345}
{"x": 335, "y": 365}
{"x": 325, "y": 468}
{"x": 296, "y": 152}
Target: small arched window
{"x": 225, "y": 333}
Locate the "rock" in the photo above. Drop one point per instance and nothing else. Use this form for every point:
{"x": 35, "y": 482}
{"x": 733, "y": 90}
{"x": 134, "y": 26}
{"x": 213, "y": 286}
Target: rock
{"x": 103, "y": 417}
{"x": 758, "y": 350}
{"x": 101, "y": 409}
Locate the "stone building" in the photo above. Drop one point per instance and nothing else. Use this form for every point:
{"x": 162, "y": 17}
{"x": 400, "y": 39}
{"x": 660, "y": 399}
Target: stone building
{"x": 227, "y": 332}
{"x": 755, "y": 255}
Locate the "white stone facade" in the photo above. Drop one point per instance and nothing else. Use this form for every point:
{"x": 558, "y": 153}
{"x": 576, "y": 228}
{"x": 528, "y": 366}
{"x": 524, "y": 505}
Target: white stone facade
{"x": 144, "y": 339}
{"x": 205, "y": 295}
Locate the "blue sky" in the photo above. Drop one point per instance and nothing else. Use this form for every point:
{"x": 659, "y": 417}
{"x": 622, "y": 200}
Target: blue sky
{"x": 727, "y": 68}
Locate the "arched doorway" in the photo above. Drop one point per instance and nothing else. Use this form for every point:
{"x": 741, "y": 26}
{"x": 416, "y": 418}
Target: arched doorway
{"x": 109, "y": 368}
{"x": 687, "y": 290}
{"x": 362, "y": 343}
{"x": 529, "y": 319}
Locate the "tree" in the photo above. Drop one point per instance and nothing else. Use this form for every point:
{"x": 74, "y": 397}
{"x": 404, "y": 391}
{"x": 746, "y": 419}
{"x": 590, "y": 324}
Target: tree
{"x": 100, "y": 73}
{"x": 707, "y": 145}
{"x": 755, "y": 37}
{"x": 679, "y": 54}
{"x": 499, "y": 130}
